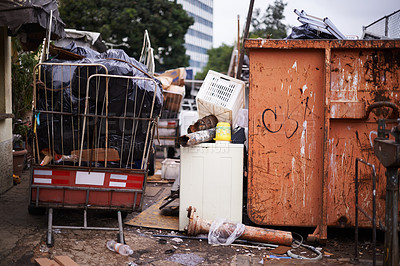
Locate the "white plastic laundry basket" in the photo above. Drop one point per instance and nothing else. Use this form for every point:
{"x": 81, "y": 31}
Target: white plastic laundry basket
{"x": 222, "y": 96}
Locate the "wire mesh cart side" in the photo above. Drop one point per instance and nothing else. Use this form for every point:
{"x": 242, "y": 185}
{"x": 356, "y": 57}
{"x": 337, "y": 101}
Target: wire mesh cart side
{"x": 91, "y": 139}
{"x": 168, "y": 125}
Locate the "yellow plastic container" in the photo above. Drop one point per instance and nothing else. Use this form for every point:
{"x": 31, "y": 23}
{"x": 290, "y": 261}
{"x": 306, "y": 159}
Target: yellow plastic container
{"x": 223, "y": 132}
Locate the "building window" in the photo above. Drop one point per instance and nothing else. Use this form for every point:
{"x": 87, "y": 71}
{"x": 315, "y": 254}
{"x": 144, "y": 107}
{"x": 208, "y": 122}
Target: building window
{"x": 201, "y": 5}
{"x": 201, "y": 20}
{"x": 200, "y": 35}
{"x": 195, "y": 48}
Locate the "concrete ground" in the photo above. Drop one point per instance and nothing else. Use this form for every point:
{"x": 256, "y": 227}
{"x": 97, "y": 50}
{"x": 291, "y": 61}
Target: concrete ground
{"x": 23, "y": 238}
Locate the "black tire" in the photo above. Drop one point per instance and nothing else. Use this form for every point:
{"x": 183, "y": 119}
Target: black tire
{"x": 32, "y": 210}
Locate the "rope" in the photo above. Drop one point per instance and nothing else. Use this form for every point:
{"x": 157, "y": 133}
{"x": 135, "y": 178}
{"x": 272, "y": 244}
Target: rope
{"x": 295, "y": 256}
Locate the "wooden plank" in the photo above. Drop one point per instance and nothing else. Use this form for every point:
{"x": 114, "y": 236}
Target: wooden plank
{"x": 152, "y": 191}
{"x": 152, "y": 218}
{"x": 65, "y": 261}
{"x": 98, "y": 154}
{"x": 46, "y": 262}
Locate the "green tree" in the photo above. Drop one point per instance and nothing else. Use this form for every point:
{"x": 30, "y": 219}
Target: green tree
{"x": 269, "y": 24}
{"x": 218, "y": 60}
{"x": 22, "y": 67}
{"x": 122, "y": 23}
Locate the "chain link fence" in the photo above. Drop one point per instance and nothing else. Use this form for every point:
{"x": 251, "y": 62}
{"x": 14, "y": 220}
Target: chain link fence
{"x": 387, "y": 27}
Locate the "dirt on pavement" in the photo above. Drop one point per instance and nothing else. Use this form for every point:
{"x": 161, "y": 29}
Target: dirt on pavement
{"x": 23, "y": 238}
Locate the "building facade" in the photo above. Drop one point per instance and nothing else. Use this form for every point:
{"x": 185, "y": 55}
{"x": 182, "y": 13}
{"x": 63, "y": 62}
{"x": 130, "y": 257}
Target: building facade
{"x": 199, "y": 37}
{"x": 6, "y": 143}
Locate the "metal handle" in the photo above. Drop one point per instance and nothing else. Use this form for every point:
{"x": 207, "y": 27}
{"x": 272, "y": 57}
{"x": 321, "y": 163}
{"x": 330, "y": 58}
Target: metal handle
{"x": 382, "y": 104}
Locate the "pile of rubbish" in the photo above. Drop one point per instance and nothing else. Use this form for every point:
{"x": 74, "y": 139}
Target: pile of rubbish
{"x": 314, "y": 28}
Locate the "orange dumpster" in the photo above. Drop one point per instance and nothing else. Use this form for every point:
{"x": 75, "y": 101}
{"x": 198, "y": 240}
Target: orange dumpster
{"x": 313, "y": 109}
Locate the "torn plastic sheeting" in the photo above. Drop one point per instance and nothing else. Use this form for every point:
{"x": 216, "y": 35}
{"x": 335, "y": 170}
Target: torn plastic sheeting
{"x": 220, "y": 234}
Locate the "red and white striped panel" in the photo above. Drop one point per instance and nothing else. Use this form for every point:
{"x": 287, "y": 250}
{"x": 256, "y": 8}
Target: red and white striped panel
{"x": 84, "y": 178}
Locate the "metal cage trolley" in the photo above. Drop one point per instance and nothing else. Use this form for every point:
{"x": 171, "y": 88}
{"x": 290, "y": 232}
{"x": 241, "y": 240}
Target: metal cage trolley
{"x": 92, "y": 133}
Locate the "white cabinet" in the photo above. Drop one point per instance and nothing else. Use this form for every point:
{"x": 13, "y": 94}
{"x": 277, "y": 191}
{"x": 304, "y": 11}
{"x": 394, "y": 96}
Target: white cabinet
{"x": 211, "y": 181}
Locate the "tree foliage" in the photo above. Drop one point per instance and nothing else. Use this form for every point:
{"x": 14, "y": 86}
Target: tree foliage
{"x": 218, "y": 60}
{"x": 269, "y": 24}
{"x": 123, "y": 22}
{"x": 22, "y": 67}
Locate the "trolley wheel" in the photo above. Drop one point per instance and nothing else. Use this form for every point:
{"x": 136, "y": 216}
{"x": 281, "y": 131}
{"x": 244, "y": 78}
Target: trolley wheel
{"x": 33, "y": 210}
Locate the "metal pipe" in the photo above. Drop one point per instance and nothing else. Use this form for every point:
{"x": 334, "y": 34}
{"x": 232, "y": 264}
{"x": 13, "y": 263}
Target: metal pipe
{"x": 88, "y": 188}
{"x": 85, "y": 228}
{"x": 245, "y": 35}
{"x": 120, "y": 228}
{"x": 49, "y": 226}
{"x": 199, "y": 226}
{"x": 356, "y": 214}
{"x": 85, "y": 218}
{"x": 391, "y": 253}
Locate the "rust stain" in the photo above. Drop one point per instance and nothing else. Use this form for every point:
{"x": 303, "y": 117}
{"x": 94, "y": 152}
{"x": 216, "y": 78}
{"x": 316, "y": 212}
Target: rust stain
{"x": 292, "y": 83}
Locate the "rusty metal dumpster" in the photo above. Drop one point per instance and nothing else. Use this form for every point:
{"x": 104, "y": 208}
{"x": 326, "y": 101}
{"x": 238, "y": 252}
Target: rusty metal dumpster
{"x": 313, "y": 107}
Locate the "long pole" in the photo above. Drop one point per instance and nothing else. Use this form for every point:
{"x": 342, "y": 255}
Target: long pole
{"x": 246, "y": 34}
{"x": 391, "y": 252}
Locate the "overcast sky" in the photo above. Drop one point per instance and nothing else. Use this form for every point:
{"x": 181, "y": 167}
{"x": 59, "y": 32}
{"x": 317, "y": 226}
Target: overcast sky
{"x": 348, "y": 15}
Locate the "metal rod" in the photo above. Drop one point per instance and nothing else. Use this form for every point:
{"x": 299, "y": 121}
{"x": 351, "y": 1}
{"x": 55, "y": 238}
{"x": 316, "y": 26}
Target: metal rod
{"x": 48, "y": 37}
{"x": 107, "y": 170}
{"x": 387, "y": 26}
{"x": 364, "y": 212}
{"x": 245, "y": 35}
{"x": 121, "y": 229}
{"x": 85, "y": 188}
{"x": 374, "y": 215}
{"x": 49, "y": 226}
{"x": 37, "y": 196}
{"x": 356, "y": 214}
{"x": 135, "y": 200}
{"x": 85, "y": 218}
{"x": 85, "y": 228}
{"x": 391, "y": 253}
{"x": 123, "y": 125}
{"x": 87, "y": 197}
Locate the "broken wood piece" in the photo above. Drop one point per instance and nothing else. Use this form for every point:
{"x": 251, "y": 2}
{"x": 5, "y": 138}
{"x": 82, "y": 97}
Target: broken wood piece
{"x": 46, "y": 262}
{"x": 280, "y": 250}
{"x": 65, "y": 261}
{"x": 46, "y": 160}
{"x": 197, "y": 137}
{"x": 98, "y": 154}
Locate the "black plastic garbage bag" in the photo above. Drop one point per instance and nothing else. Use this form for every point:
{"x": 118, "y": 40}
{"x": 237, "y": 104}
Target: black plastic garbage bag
{"x": 64, "y": 92}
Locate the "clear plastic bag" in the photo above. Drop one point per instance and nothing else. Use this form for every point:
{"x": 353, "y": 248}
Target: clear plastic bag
{"x": 224, "y": 233}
